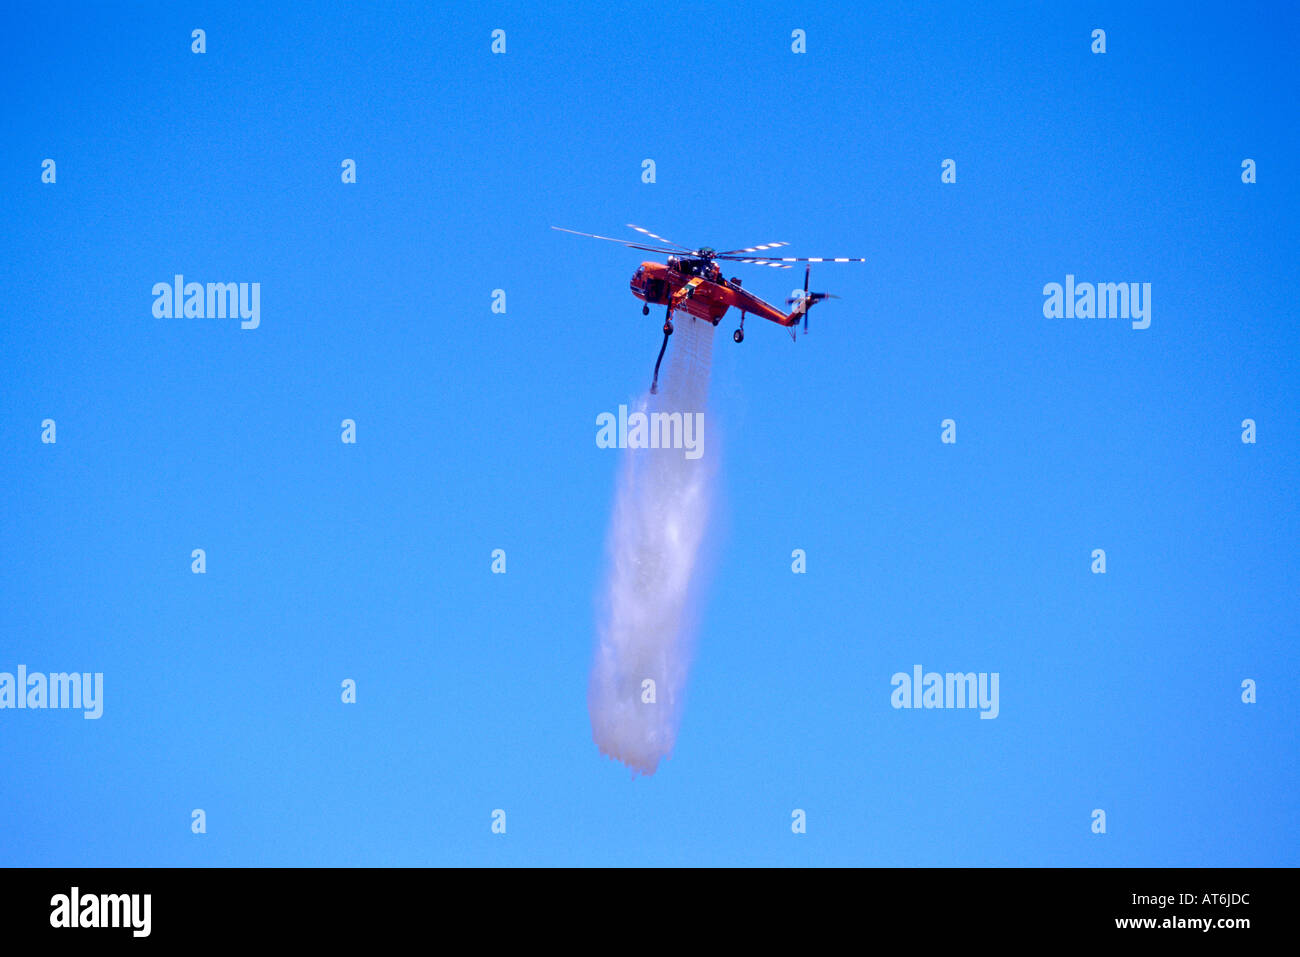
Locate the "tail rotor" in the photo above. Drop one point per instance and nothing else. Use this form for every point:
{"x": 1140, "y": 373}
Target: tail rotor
{"x": 805, "y": 301}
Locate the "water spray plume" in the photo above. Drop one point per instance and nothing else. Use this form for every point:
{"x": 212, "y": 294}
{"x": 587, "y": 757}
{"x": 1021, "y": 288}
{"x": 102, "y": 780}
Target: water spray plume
{"x": 661, "y": 510}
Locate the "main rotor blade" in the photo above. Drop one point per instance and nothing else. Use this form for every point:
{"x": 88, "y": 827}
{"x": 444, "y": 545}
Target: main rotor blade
{"x": 611, "y": 239}
{"x": 660, "y": 238}
{"x": 753, "y": 249}
{"x": 755, "y": 262}
{"x": 790, "y": 259}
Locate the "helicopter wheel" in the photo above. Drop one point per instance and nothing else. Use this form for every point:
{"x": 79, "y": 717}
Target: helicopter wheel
{"x": 668, "y": 327}
{"x": 738, "y": 335}
{"x": 645, "y": 310}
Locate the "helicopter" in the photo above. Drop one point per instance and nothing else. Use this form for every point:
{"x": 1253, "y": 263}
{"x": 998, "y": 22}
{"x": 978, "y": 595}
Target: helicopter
{"x": 691, "y": 281}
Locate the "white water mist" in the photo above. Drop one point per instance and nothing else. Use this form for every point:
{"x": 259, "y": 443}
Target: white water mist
{"x": 660, "y": 513}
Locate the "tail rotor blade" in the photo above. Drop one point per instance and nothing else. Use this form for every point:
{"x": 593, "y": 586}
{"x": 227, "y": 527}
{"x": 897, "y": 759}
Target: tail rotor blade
{"x": 807, "y": 271}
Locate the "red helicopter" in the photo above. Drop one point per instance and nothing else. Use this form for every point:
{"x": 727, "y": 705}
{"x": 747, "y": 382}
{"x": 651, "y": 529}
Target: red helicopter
{"x": 692, "y": 281}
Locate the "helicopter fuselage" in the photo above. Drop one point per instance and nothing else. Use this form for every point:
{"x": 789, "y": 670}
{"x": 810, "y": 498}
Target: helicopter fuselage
{"x": 696, "y": 287}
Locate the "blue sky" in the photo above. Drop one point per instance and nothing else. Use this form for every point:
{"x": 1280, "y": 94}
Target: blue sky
{"x": 476, "y": 431}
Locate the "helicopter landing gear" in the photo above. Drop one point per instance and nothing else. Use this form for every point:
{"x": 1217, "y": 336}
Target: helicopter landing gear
{"x": 645, "y": 310}
{"x": 739, "y": 335}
